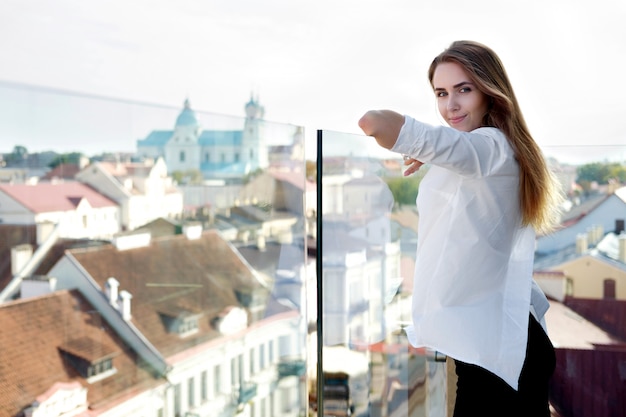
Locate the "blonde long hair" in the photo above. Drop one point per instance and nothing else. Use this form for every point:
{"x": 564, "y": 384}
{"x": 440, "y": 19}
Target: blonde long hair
{"x": 538, "y": 189}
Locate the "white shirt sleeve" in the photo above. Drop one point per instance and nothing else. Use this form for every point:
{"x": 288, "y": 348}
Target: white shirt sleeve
{"x": 473, "y": 154}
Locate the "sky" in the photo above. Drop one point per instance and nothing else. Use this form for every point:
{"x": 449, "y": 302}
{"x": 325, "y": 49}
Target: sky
{"x": 318, "y": 64}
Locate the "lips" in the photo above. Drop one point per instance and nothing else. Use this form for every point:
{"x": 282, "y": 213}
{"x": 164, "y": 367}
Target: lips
{"x": 456, "y": 120}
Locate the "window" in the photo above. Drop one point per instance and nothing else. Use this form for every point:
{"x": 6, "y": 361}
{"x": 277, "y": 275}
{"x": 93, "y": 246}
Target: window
{"x": 262, "y": 364}
{"x": 188, "y": 325}
{"x": 204, "y": 386}
{"x": 252, "y": 361}
{"x": 191, "y": 399}
{"x": 181, "y": 156}
{"x": 237, "y": 157}
{"x": 233, "y": 371}
{"x": 609, "y": 289}
{"x": 177, "y": 401}
{"x": 223, "y": 158}
{"x": 251, "y": 153}
{"x": 207, "y": 157}
{"x": 217, "y": 379}
{"x": 271, "y": 352}
{"x": 99, "y": 367}
{"x": 569, "y": 287}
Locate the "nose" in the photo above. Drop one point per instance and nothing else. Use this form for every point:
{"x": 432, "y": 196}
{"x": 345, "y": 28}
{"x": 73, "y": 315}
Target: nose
{"x": 452, "y": 103}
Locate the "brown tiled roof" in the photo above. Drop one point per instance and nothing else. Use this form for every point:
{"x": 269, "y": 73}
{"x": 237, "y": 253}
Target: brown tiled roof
{"x": 32, "y": 336}
{"x": 569, "y": 330}
{"x": 609, "y": 315}
{"x": 115, "y": 169}
{"x": 45, "y": 197}
{"x": 126, "y": 169}
{"x": 89, "y": 349}
{"x": 62, "y": 171}
{"x": 174, "y": 275}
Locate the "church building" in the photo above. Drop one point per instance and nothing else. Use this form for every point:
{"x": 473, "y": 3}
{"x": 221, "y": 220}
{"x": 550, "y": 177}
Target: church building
{"x": 217, "y": 154}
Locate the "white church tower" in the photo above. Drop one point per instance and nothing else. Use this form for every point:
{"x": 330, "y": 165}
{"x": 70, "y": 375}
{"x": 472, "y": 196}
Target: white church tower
{"x": 182, "y": 151}
{"x": 253, "y": 144}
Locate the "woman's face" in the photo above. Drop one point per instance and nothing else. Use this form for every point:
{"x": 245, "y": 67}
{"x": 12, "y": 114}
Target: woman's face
{"x": 460, "y": 102}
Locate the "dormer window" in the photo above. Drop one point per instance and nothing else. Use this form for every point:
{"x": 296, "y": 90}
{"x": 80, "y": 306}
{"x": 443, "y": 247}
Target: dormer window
{"x": 93, "y": 360}
{"x": 180, "y": 321}
{"x": 187, "y": 326}
{"x": 99, "y": 367}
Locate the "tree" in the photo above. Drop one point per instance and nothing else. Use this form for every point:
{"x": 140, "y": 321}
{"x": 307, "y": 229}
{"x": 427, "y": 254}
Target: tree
{"x": 601, "y": 173}
{"x": 66, "y": 158}
{"x": 17, "y": 156}
{"x": 404, "y": 189}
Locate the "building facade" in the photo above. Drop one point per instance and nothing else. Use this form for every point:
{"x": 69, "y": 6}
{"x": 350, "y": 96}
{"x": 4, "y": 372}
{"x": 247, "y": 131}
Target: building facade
{"x": 224, "y": 154}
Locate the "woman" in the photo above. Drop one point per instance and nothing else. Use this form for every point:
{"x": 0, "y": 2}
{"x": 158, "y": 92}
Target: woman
{"x": 485, "y": 194}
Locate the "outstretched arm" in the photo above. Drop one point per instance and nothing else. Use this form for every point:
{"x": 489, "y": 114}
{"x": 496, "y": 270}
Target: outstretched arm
{"x": 383, "y": 125}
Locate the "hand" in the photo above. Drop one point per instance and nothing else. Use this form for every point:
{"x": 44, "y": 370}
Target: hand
{"x": 413, "y": 165}
{"x": 383, "y": 125}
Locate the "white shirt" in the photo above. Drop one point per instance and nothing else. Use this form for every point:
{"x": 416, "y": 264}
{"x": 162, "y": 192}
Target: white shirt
{"x": 473, "y": 270}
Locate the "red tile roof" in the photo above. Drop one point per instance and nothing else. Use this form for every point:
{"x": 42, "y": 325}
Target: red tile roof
{"x": 569, "y": 330}
{"x": 46, "y": 197}
{"x": 63, "y": 171}
{"x": 32, "y": 336}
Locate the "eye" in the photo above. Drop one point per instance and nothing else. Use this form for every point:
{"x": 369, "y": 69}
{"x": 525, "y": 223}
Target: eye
{"x": 440, "y": 93}
{"x": 465, "y": 89}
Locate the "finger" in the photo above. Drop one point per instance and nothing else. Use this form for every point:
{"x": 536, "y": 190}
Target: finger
{"x": 415, "y": 166}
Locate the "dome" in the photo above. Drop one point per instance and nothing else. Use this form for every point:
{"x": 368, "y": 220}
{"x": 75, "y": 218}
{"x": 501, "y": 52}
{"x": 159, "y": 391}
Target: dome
{"x": 187, "y": 117}
{"x": 253, "y": 109}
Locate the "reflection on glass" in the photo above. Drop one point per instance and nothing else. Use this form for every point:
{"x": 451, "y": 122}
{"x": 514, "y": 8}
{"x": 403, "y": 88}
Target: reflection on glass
{"x": 156, "y": 259}
{"x": 369, "y": 230}
{"x": 368, "y": 240}
{"x": 154, "y": 262}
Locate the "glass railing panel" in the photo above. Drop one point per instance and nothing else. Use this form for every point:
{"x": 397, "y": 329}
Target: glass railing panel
{"x": 582, "y": 268}
{"x": 154, "y": 258}
{"x": 368, "y": 243}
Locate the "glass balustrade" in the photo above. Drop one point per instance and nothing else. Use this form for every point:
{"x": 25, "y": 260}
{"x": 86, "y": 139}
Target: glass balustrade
{"x": 165, "y": 261}
{"x": 154, "y": 258}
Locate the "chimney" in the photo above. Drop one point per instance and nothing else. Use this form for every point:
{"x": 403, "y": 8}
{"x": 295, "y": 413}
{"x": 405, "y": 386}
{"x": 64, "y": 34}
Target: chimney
{"x": 260, "y": 242}
{"x": 285, "y": 237}
{"x": 20, "y": 255}
{"x": 111, "y": 288}
{"x": 35, "y": 286}
{"x": 581, "y": 243}
{"x": 44, "y": 230}
{"x": 599, "y": 230}
{"x": 591, "y": 235}
{"x": 193, "y": 231}
{"x": 132, "y": 240}
{"x": 621, "y": 254}
{"x": 125, "y": 298}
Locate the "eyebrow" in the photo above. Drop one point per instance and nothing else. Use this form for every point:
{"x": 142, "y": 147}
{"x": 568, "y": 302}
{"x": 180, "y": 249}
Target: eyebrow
{"x": 462, "y": 83}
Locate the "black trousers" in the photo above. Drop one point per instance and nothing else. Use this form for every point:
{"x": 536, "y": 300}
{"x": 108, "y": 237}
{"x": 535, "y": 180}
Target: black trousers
{"x": 480, "y": 393}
